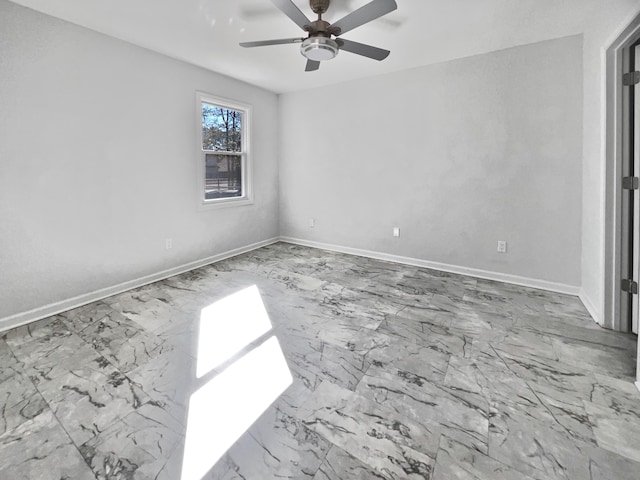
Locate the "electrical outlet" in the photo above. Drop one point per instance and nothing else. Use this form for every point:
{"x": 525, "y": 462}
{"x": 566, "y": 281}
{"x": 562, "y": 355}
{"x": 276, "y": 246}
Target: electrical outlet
{"x": 396, "y": 231}
{"x": 502, "y": 246}
{"x": 312, "y": 222}
{"x": 168, "y": 244}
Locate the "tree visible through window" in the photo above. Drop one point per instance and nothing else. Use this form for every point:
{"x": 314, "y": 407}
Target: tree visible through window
{"x": 222, "y": 145}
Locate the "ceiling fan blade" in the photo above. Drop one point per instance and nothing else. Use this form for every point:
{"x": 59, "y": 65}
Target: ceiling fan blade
{"x": 264, "y": 43}
{"x": 365, "y": 14}
{"x": 362, "y": 49}
{"x": 290, "y": 10}
{"x": 312, "y": 66}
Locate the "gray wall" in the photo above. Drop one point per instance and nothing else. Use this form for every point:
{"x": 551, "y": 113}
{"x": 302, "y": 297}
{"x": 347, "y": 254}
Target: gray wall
{"x": 458, "y": 155}
{"x": 98, "y": 162}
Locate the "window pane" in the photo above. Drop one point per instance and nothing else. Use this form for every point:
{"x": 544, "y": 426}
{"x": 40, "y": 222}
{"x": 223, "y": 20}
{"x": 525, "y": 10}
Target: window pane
{"x": 223, "y": 177}
{"x": 221, "y": 128}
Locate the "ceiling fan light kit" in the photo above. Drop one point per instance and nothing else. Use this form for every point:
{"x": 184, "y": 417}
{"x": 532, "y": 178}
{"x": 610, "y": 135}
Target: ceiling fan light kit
{"x": 319, "y": 44}
{"x": 319, "y": 48}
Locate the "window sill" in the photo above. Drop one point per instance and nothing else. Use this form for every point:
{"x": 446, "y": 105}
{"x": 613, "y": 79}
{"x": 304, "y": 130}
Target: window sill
{"x": 225, "y": 203}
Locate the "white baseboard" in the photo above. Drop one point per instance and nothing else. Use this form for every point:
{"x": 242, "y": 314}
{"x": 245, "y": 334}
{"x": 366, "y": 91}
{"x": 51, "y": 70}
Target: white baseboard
{"x": 67, "y": 304}
{"x": 637, "y": 385}
{"x": 472, "y": 272}
{"x": 591, "y": 308}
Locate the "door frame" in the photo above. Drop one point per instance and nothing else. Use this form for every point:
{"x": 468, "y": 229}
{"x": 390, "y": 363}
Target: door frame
{"x": 618, "y": 61}
{"x": 634, "y": 160}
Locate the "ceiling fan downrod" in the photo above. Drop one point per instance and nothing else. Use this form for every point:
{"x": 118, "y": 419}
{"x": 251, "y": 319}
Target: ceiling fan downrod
{"x": 319, "y": 27}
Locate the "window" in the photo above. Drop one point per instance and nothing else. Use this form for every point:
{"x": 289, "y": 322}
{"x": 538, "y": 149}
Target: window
{"x": 224, "y": 152}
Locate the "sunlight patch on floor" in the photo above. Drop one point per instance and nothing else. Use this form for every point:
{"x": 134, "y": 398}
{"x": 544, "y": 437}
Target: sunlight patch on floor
{"x": 228, "y": 404}
{"x": 229, "y": 325}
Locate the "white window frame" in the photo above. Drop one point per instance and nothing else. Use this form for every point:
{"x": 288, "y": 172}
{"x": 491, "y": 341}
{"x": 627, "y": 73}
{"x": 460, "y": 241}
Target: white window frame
{"x": 245, "y": 155}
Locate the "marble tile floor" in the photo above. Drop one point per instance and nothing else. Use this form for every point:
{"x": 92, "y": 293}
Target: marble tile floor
{"x": 387, "y": 372}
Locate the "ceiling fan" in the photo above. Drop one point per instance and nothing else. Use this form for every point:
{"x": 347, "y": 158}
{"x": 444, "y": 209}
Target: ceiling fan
{"x": 320, "y": 45}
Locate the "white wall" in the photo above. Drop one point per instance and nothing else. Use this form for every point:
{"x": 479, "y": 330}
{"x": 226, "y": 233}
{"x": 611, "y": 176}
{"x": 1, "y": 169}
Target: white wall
{"x": 458, "y": 155}
{"x": 98, "y": 162}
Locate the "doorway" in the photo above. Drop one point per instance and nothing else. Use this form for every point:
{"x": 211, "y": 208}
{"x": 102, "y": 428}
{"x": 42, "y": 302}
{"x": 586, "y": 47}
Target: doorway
{"x": 630, "y": 249}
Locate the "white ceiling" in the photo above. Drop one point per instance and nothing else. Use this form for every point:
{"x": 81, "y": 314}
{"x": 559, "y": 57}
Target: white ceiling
{"x": 420, "y": 32}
